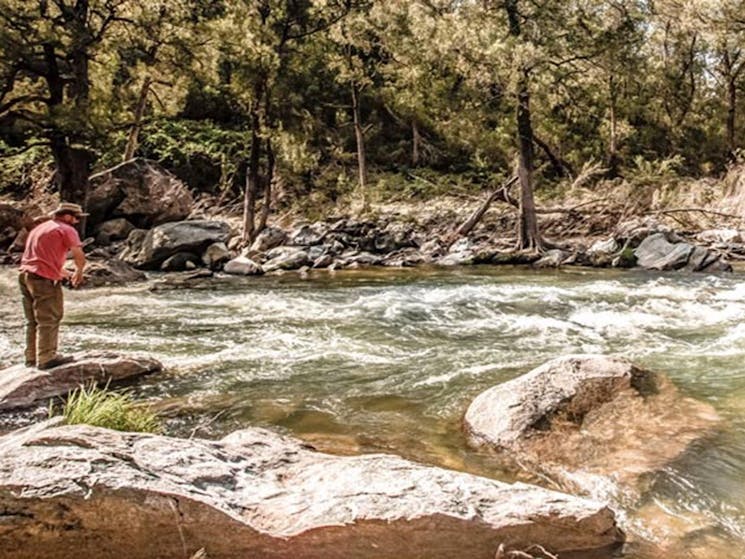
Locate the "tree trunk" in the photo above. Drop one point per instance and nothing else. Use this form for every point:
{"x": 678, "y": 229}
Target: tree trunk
{"x": 731, "y": 114}
{"x": 359, "y": 135}
{"x": 72, "y": 172}
{"x": 267, "y": 206}
{"x": 249, "y": 195}
{"x": 134, "y": 132}
{"x": 415, "y": 141}
{"x": 613, "y": 161}
{"x": 252, "y": 172}
{"x": 476, "y": 216}
{"x": 527, "y": 223}
{"x": 527, "y": 226}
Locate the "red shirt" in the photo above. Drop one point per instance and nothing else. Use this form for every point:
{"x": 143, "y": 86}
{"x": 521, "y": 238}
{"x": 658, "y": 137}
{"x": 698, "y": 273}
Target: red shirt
{"x": 46, "y": 249}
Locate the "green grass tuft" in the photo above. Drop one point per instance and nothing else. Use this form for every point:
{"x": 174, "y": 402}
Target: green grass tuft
{"x": 104, "y": 408}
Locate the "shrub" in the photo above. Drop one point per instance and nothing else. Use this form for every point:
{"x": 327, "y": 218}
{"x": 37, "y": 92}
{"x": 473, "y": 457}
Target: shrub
{"x": 104, "y": 408}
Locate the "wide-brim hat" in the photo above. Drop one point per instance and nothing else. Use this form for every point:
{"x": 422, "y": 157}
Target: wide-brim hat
{"x": 68, "y": 208}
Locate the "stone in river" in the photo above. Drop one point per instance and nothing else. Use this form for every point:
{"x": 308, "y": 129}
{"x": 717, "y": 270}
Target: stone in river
{"x": 591, "y": 423}
{"x": 22, "y": 386}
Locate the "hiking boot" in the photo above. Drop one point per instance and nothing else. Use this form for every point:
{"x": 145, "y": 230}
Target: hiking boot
{"x": 56, "y": 361}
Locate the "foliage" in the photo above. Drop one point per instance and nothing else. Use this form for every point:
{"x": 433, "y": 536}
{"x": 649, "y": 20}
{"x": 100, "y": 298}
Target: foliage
{"x": 113, "y": 410}
{"x": 270, "y": 85}
{"x": 20, "y": 172}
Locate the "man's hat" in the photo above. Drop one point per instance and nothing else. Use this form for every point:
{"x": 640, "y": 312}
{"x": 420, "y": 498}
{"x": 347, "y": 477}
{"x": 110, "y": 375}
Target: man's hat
{"x": 68, "y": 208}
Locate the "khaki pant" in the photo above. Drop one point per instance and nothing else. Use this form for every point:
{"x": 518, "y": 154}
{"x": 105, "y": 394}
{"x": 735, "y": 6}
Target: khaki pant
{"x": 43, "y": 308}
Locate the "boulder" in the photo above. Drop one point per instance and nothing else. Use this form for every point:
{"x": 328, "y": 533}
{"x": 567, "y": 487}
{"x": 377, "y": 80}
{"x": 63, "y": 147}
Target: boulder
{"x": 269, "y": 238}
{"x": 215, "y": 256}
{"x": 141, "y": 191}
{"x": 170, "y": 238}
{"x": 113, "y": 230}
{"x": 602, "y": 253}
{"x": 394, "y": 236}
{"x": 286, "y": 258}
{"x": 22, "y": 386}
{"x": 656, "y": 253}
{"x": 181, "y": 262}
{"x": 111, "y": 272}
{"x": 308, "y": 235}
{"x": 632, "y": 232}
{"x": 406, "y": 257}
{"x": 243, "y": 266}
{"x": 727, "y": 236}
{"x": 81, "y": 491}
{"x": 590, "y": 423}
{"x": 552, "y": 259}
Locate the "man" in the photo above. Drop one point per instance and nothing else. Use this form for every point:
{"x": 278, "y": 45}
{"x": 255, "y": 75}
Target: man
{"x": 41, "y": 274}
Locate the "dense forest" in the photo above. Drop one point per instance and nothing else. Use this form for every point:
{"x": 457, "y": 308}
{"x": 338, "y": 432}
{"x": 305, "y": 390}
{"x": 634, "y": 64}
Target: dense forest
{"x": 323, "y": 97}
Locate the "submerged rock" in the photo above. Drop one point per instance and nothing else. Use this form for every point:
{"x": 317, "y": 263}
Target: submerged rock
{"x": 90, "y": 492}
{"x": 589, "y": 422}
{"x": 22, "y": 386}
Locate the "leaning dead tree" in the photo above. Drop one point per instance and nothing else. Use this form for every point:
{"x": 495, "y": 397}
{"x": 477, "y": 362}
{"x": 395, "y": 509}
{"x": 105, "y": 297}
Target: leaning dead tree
{"x": 500, "y": 193}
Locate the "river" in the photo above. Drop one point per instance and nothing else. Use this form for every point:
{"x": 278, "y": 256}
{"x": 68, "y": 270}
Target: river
{"x": 381, "y": 361}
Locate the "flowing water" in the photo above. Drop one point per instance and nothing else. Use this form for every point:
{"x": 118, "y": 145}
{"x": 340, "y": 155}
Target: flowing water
{"x": 386, "y": 361}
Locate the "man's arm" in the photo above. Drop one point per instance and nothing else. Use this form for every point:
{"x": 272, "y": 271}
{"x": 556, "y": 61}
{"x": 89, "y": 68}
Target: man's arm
{"x": 78, "y": 257}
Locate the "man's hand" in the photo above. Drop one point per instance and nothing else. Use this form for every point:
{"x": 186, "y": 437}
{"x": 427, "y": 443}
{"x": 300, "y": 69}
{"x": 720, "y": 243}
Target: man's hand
{"x": 79, "y": 258}
{"x": 77, "y": 278}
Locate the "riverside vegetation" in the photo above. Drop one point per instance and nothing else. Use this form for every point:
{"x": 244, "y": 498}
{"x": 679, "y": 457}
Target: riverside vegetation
{"x": 272, "y": 104}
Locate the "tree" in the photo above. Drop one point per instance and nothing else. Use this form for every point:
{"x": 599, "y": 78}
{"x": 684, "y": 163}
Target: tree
{"x": 58, "y": 66}
{"x": 258, "y": 39}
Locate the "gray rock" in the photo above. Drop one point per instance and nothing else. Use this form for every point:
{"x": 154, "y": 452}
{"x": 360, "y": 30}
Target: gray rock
{"x": 91, "y": 492}
{"x": 720, "y": 236}
{"x": 433, "y": 249}
{"x": 113, "y": 230}
{"x": 170, "y": 238}
{"x": 323, "y": 261}
{"x": 656, "y": 253}
{"x": 591, "y": 423}
{"x": 632, "y": 232}
{"x": 404, "y": 258}
{"x": 243, "y": 266}
{"x": 111, "y": 272}
{"x": 552, "y": 259}
{"x": 461, "y": 258}
{"x": 308, "y": 235}
{"x": 180, "y": 262}
{"x": 286, "y": 258}
{"x": 362, "y": 258}
{"x": 141, "y": 191}
{"x": 23, "y": 386}
{"x": 215, "y": 256}
{"x": 269, "y": 238}
{"x": 602, "y": 253}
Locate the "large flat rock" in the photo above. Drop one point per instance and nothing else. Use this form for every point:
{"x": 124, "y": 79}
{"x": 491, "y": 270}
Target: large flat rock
{"x": 591, "y": 423}
{"x": 81, "y": 491}
{"x": 22, "y": 386}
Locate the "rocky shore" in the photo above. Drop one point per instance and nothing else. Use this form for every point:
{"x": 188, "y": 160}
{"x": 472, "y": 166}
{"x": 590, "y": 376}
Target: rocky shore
{"x": 143, "y": 218}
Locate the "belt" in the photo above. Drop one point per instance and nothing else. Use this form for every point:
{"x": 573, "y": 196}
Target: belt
{"x": 38, "y": 277}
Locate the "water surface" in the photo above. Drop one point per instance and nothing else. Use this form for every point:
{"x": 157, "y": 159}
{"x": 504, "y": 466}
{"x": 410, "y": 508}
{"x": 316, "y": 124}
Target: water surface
{"x": 388, "y": 361}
